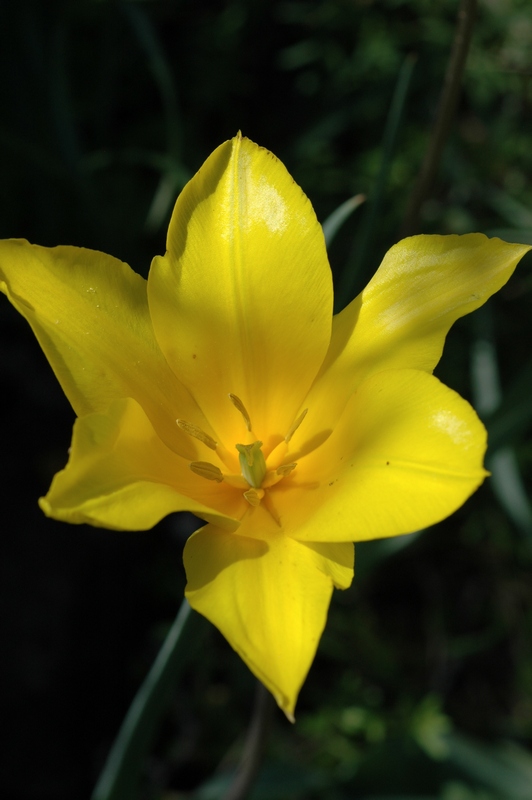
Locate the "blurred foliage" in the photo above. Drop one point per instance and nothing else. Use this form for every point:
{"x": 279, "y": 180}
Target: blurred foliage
{"x": 422, "y": 687}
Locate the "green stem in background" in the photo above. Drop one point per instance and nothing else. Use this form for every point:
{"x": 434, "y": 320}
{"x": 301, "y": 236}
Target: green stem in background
{"x": 254, "y": 746}
{"x": 334, "y": 221}
{"x": 355, "y": 271}
{"x": 506, "y": 480}
{"x": 120, "y": 777}
{"x": 445, "y": 115}
{"x": 161, "y": 70}
{"x": 174, "y": 178}
{"x": 512, "y": 419}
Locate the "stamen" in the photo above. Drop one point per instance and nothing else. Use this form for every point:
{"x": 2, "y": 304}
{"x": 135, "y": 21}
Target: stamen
{"x": 237, "y": 402}
{"x": 207, "y": 470}
{"x": 274, "y": 476}
{"x": 197, "y": 433}
{"x": 254, "y": 496}
{"x": 295, "y": 425}
{"x": 285, "y": 469}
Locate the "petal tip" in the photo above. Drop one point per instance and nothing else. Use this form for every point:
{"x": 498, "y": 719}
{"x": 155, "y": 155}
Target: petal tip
{"x": 289, "y": 716}
{"x": 45, "y": 507}
{"x": 286, "y": 704}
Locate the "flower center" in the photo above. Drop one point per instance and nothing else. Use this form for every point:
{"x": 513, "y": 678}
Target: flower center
{"x": 255, "y": 477}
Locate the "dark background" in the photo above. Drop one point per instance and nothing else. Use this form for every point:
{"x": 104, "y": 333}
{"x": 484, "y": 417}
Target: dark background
{"x": 422, "y": 687}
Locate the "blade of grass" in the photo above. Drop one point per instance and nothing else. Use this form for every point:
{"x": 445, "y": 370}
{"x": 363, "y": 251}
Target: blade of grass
{"x": 505, "y": 768}
{"x": 513, "y": 417}
{"x": 161, "y": 72}
{"x": 170, "y": 181}
{"x": 334, "y": 221}
{"x": 506, "y": 479}
{"x": 509, "y": 489}
{"x": 511, "y": 210}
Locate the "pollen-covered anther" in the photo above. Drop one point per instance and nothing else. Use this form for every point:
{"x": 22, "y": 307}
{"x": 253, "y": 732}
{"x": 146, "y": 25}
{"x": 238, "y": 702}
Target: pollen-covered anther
{"x": 277, "y": 475}
{"x": 295, "y": 425}
{"x": 254, "y": 496}
{"x": 285, "y": 469}
{"x": 238, "y": 404}
{"x": 207, "y": 470}
{"x": 197, "y": 433}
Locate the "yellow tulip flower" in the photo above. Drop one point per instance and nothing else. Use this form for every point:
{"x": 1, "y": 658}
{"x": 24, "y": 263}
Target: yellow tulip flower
{"x": 224, "y": 386}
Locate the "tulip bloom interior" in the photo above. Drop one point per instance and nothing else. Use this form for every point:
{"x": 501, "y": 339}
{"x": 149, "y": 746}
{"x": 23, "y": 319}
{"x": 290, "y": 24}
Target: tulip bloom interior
{"x": 224, "y": 386}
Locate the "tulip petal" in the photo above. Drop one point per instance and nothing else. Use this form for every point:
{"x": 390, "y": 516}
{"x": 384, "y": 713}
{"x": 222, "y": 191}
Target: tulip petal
{"x": 89, "y": 312}
{"x": 121, "y": 476}
{"x": 407, "y": 452}
{"x": 401, "y": 319}
{"x": 268, "y": 595}
{"x": 242, "y": 301}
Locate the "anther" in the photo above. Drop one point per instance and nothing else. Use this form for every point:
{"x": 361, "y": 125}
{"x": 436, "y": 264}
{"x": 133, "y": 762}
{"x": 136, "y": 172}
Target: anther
{"x": 237, "y": 402}
{"x": 295, "y": 425}
{"x": 254, "y": 496}
{"x": 285, "y": 469}
{"x": 197, "y": 433}
{"x": 206, "y": 470}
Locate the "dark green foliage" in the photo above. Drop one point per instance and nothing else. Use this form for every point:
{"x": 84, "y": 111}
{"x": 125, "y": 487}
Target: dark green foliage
{"x": 422, "y": 687}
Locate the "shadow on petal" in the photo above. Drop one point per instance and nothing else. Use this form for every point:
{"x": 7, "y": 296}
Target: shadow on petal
{"x": 335, "y": 559}
{"x": 210, "y": 551}
{"x": 196, "y": 192}
{"x": 311, "y": 444}
{"x": 334, "y": 551}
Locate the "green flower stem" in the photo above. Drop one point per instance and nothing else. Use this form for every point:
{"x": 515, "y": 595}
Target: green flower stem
{"x": 254, "y": 746}
{"x": 120, "y": 776}
{"x": 445, "y": 114}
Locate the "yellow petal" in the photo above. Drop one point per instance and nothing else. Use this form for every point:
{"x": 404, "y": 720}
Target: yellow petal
{"x": 401, "y": 319}
{"x": 268, "y": 595}
{"x": 407, "y": 453}
{"x": 121, "y": 476}
{"x": 241, "y": 303}
{"x": 89, "y": 312}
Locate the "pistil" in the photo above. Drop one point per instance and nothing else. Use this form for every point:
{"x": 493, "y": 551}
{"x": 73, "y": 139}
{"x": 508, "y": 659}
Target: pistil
{"x": 252, "y": 463}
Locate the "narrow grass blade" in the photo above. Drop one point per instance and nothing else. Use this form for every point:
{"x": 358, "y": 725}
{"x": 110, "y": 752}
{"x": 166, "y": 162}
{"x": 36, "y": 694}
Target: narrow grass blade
{"x": 161, "y": 72}
{"x": 506, "y": 478}
{"x": 334, "y": 221}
